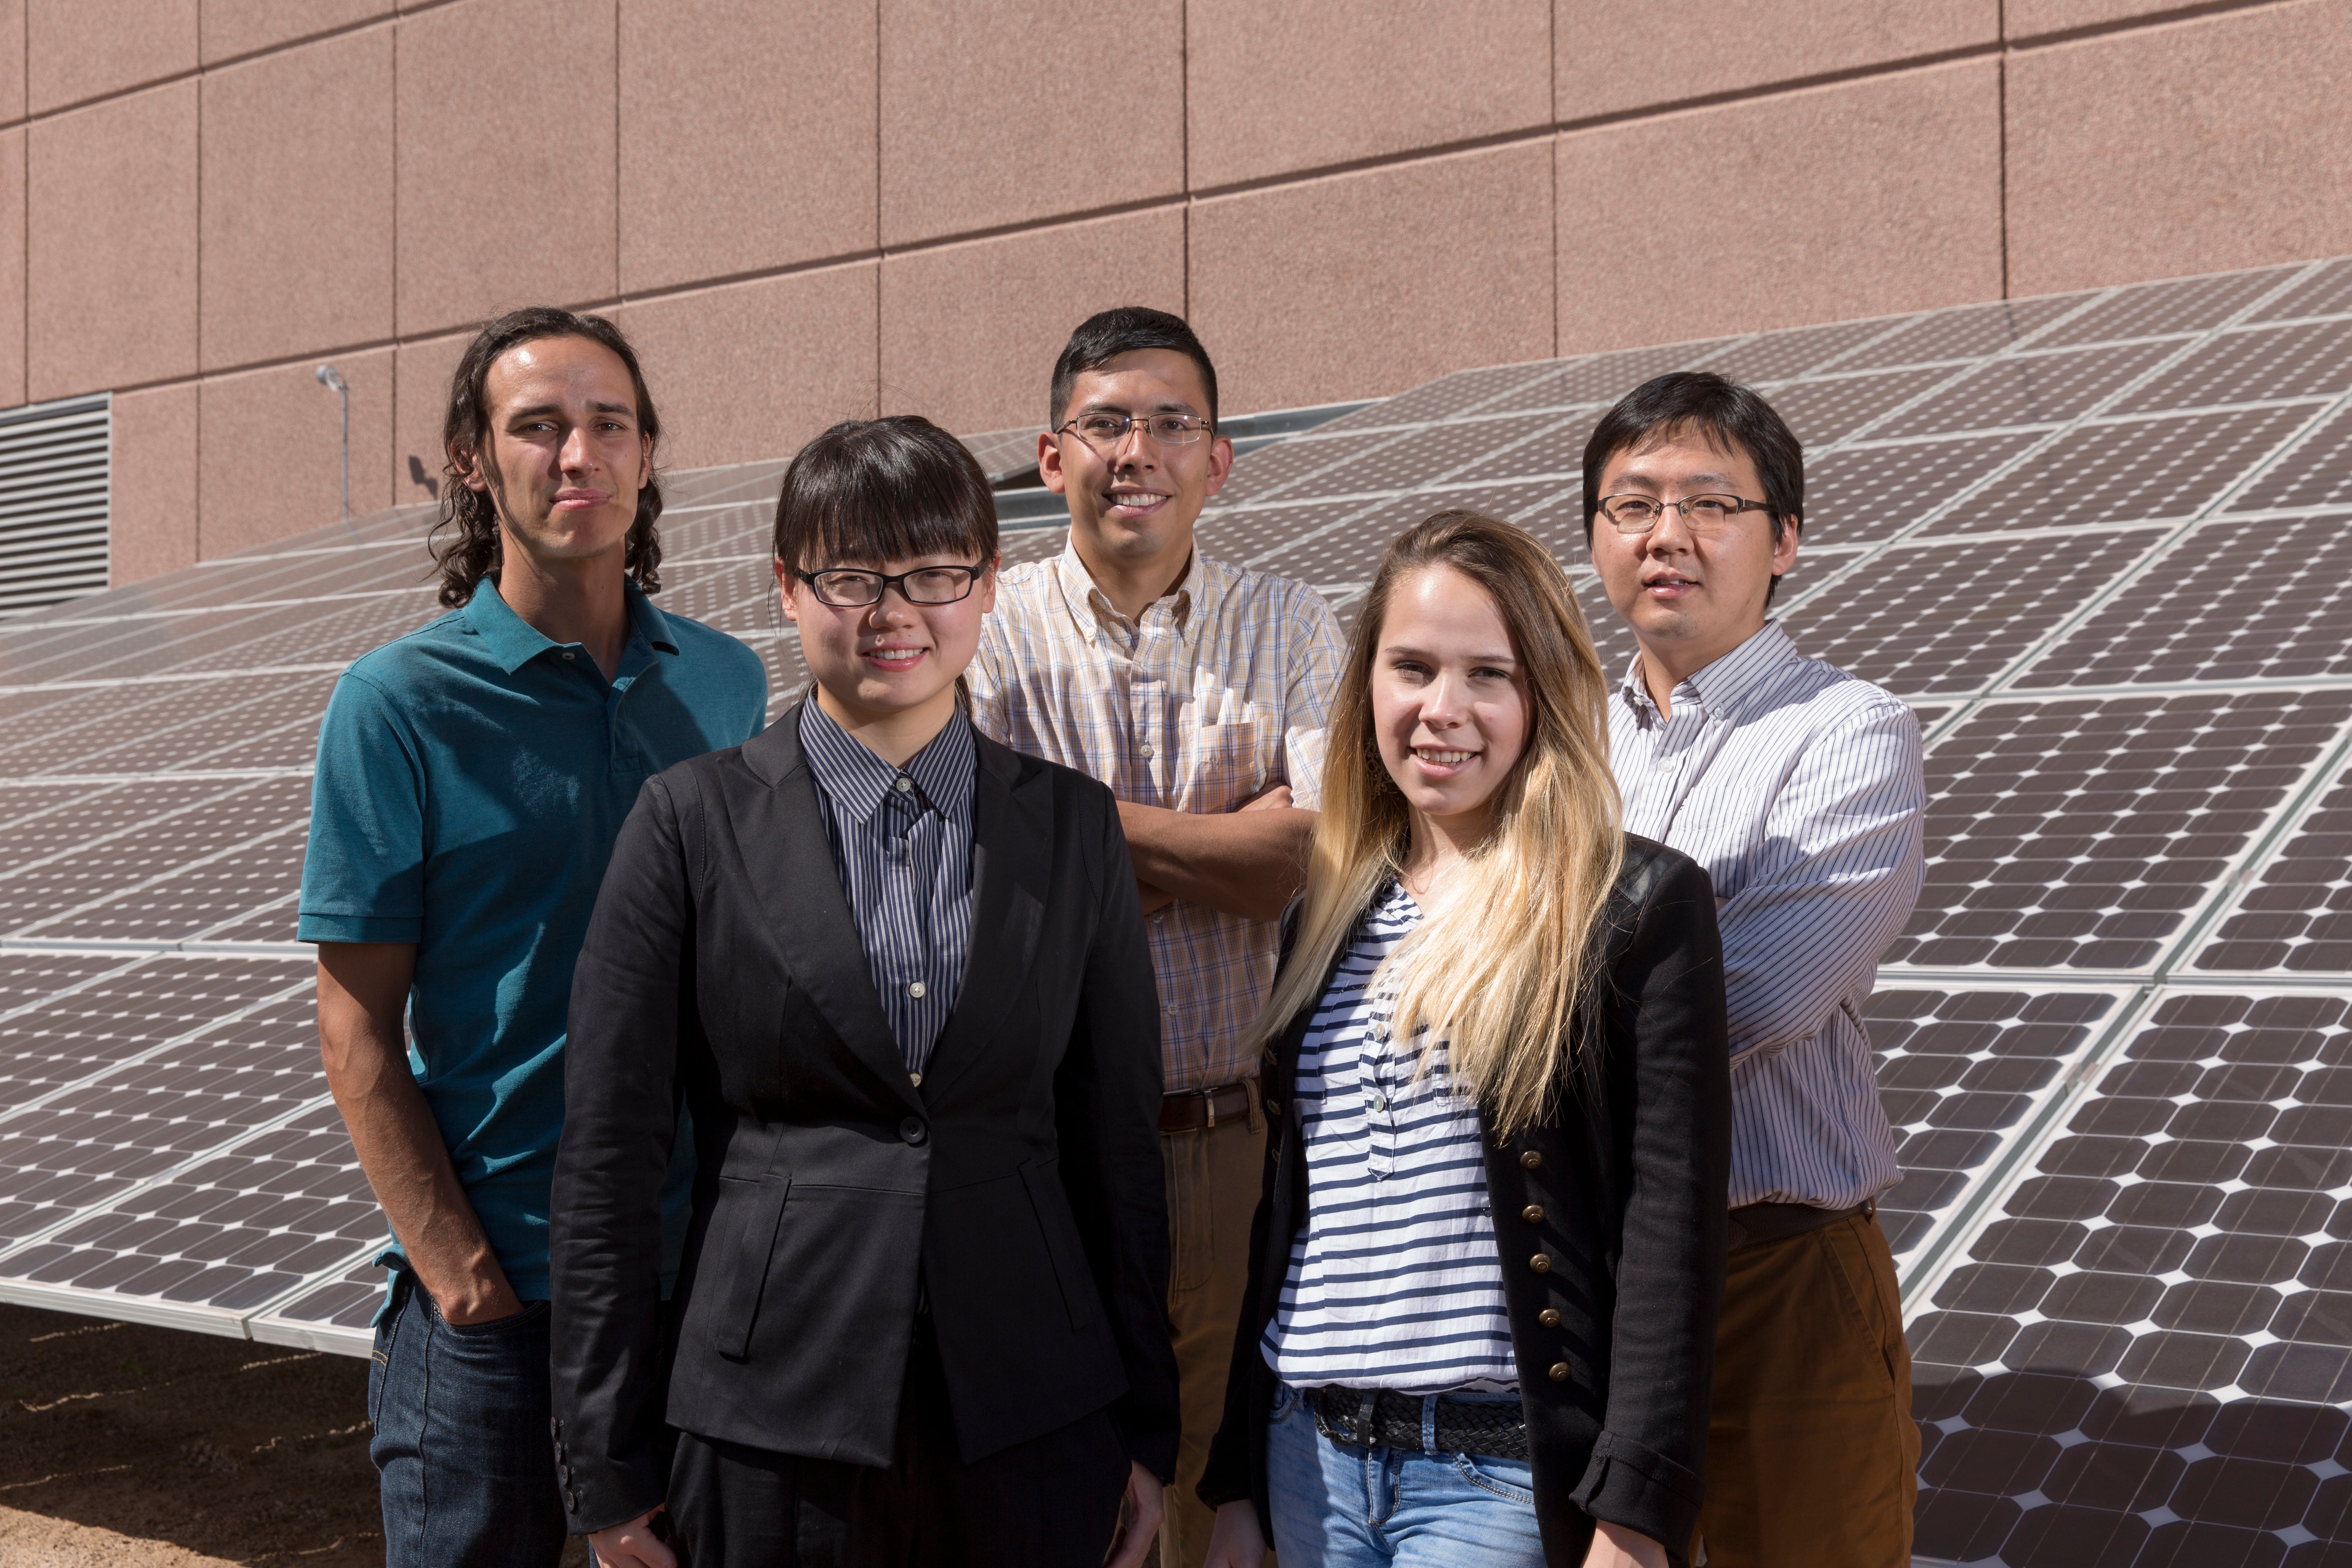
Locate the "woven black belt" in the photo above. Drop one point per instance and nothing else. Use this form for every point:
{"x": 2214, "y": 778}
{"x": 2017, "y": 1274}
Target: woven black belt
{"x": 1757, "y": 1223}
{"x": 1369, "y": 1419}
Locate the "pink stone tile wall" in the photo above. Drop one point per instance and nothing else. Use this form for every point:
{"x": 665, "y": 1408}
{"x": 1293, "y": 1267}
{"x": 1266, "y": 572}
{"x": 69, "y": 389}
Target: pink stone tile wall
{"x": 805, "y": 211}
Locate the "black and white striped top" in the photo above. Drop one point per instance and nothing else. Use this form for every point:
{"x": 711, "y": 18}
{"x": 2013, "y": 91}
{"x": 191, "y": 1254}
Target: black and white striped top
{"x": 1394, "y": 1281}
{"x": 1800, "y": 789}
{"x": 902, "y": 842}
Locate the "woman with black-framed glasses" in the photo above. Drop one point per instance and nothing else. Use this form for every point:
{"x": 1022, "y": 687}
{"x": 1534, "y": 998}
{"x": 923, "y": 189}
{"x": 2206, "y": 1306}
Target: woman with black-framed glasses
{"x": 897, "y": 974}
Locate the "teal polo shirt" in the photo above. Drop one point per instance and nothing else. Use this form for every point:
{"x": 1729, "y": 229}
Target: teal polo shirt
{"x": 471, "y": 778}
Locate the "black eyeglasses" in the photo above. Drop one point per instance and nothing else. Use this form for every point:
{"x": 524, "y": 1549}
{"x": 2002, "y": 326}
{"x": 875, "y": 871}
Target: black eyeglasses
{"x": 848, "y": 588}
{"x": 1705, "y": 514}
{"x": 1106, "y": 431}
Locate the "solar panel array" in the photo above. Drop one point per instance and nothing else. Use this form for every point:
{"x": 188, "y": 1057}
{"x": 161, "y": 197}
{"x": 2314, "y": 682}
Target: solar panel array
{"x": 2094, "y": 540}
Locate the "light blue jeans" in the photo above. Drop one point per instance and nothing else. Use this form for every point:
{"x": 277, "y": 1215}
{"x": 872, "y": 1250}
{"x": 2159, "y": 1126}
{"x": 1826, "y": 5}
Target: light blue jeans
{"x": 1337, "y": 1507}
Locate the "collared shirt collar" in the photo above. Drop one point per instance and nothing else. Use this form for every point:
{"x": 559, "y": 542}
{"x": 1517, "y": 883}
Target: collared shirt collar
{"x": 1725, "y": 686}
{"x": 943, "y": 772}
{"x": 1088, "y": 607}
{"x": 515, "y": 642}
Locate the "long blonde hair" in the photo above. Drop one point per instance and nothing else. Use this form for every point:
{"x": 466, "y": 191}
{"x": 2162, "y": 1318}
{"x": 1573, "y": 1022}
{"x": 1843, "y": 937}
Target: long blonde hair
{"x": 1498, "y": 972}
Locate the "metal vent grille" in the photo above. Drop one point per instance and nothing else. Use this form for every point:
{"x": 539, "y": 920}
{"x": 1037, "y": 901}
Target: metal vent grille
{"x": 56, "y": 497}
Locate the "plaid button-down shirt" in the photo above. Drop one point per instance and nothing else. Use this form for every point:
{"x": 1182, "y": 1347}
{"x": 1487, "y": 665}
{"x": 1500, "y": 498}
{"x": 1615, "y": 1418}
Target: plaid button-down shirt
{"x": 1218, "y": 691}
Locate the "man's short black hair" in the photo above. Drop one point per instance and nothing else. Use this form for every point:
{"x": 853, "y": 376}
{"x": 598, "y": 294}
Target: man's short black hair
{"x": 1104, "y": 336}
{"x": 1727, "y": 414}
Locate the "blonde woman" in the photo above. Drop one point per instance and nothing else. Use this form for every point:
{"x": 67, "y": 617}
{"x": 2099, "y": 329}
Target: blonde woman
{"x": 1480, "y": 1318}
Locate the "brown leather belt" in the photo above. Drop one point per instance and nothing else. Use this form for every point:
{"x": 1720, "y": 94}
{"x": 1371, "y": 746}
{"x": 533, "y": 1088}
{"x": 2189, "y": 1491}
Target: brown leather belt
{"x": 1757, "y": 1224}
{"x": 1196, "y": 1109}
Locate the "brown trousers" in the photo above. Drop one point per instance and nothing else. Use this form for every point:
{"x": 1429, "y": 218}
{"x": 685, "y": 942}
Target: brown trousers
{"x": 1811, "y": 1458}
{"x": 1213, "y": 1177}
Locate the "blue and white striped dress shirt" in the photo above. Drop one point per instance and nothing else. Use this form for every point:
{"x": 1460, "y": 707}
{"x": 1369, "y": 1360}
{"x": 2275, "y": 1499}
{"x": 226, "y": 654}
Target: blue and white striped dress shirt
{"x": 902, "y": 842}
{"x": 1800, "y": 789}
{"x": 1394, "y": 1280}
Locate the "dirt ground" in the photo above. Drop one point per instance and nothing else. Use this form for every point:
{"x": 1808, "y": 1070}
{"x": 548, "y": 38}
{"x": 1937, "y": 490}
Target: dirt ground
{"x": 123, "y": 1446}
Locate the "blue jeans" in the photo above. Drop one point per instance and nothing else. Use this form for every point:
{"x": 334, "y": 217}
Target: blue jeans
{"x": 461, "y": 1445}
{"x": 1337, "y": 1507}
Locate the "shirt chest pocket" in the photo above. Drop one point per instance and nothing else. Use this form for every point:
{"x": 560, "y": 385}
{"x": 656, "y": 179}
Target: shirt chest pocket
{"x": 1235, "y": 758}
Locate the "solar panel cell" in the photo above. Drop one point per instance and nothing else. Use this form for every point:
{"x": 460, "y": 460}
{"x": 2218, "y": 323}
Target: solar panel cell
{"x": 2082, "y": 834}
{"x": 2129, "y": 471}
{"x": 2229, "y": 601}
{"x": 1828, "y": 410}
{"x": 1447, "y": 397}
{"x": 1861, "y": 494}
{"x": 2256, "y": 364}
{"x": 2326, "y": 292}
{"x": 1945, "y": 619}
{"x": 74, "y": 876}
{"x": 1288, "y": 464}
{"x": 1968, "y": 332}
{"x": 2315, "y": 472}
{"x": 2125, "y": 1337}
{"x": 2181, "y": 305}
{"x": 2029, "y": 389}
{"x": 1776, "y": 357}
{"x": 2296, "y": 918}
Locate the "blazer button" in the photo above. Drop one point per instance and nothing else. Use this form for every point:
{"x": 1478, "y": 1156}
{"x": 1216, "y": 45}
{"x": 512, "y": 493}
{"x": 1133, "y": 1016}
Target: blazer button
{"x": 1559, "y": 1371}
{"x": 1540, "y": 1263}
{"x": 1531, "y": 1159}
{"x": 913, "y": 1130}
{"x": 1549, "y": 1317}
{"x": 1532, "y": 1214}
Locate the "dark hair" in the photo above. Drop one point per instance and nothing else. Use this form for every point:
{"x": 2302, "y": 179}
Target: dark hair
{"x": 870, "y": 490}
{"x": 473, "y": 554}
{"x": 1729, "y": 416}
{"x": 1107, "y": 334}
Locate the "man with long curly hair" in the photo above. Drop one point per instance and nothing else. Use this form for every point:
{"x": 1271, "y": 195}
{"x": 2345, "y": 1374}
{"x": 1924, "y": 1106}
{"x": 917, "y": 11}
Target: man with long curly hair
{"x": 471, "y": 778}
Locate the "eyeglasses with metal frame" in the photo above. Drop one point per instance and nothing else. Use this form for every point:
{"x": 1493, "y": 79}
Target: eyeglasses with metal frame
{"x": 1709, "y": 514}
{"x": 851, "y": 588}
{"x": 1106, "y": 430}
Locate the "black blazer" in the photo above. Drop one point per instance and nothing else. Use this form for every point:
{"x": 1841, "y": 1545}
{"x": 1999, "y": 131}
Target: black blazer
{"x": 1020, "y": 1185}
{"x": 1631, "y": 1174}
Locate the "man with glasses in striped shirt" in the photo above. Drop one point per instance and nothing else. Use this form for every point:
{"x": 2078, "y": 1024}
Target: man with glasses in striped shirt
{"x": 1198, "y": 692}
{"x": 1798, "y": 788}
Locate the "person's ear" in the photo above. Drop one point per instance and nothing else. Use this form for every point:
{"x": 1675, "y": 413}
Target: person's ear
{"x": 985, "y": 590}
{"x": 469, "y": 472}
{"x": 784, "y": 589}
{"x": 1221, "y": 464}
{"x": 1784, "y": 548}
{"x": 1049, "y": 463}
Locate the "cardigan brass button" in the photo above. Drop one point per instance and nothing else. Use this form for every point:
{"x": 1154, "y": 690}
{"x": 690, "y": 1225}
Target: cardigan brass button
{"x": 1531, "y": 1159}
{"x": 1549, "y": 1317}
{"x": 1532, "y": 1214}
{"x": 1559, "y": 1371}
{"x": 1540, "y": 1263}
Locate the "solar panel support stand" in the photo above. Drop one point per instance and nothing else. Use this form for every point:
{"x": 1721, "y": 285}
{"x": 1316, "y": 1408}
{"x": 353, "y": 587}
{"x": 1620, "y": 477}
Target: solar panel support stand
{"x": 331, "y": 378}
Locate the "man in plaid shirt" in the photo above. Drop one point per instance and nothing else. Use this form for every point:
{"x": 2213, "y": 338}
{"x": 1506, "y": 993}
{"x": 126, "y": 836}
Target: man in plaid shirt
{"x": 1198, "y": 692}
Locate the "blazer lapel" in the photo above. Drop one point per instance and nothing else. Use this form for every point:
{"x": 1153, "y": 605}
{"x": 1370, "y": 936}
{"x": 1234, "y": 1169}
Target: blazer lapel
{"x": 781, "y": 835}
{"x": 1013, "y": 864}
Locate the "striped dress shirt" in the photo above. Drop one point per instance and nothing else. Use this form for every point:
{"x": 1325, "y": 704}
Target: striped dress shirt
{"x": 902, "y": 842}
{"x": 1215, "y": 692}
{"x": 1394, "y": 1280}
{"x": 1798, "y": 788}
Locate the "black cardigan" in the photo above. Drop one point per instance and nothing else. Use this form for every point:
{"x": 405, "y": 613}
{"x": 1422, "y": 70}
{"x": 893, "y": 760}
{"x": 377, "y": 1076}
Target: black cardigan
{"x": 1630, "y": 1173}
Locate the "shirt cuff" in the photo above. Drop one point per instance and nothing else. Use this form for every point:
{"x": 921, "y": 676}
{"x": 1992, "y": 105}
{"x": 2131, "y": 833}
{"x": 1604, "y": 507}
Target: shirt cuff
{"x": 360, "y": 927}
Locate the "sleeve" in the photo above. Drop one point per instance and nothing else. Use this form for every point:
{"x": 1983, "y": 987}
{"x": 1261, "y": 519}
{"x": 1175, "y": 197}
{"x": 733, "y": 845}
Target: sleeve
{"x": 1318, "y": 651}
{"x": 1670, "y": 1099}
{"x": 1106, "y": 1107}
{"x": 986, "y": 677}
{"x": 363, "y": 874}
{"x": 629, "y": 994}
{"x": 1841, "y": 869}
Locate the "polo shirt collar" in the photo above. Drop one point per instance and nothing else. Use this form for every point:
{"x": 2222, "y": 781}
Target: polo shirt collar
{"x": 1725, "y": 687}
{"x": 1088, "y": 607}
{"x": 515, "y": 642}
{"x": 943, "y": 772}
